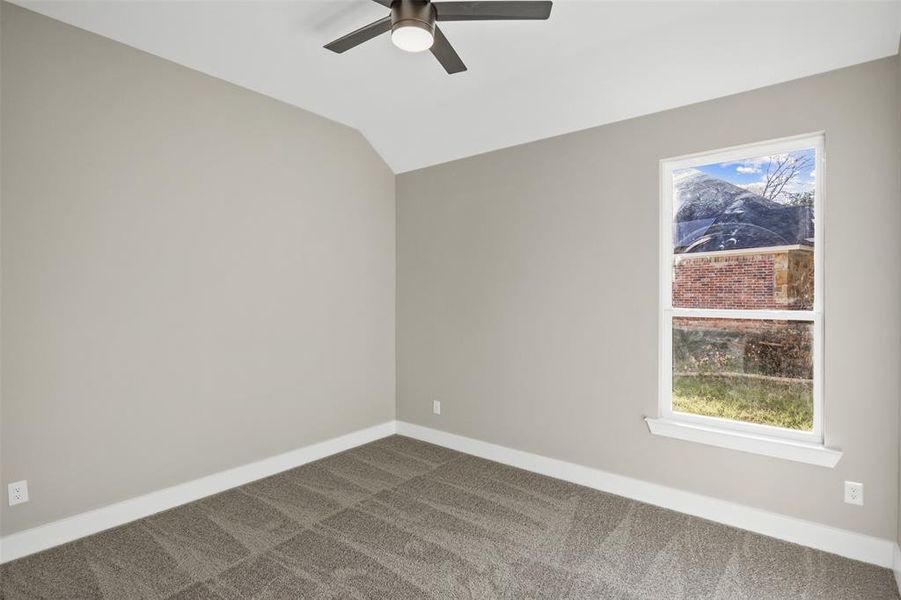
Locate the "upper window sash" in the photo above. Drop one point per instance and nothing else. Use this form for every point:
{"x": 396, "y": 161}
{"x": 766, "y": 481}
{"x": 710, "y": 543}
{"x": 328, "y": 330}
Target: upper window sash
{"x": 737, "y": 153}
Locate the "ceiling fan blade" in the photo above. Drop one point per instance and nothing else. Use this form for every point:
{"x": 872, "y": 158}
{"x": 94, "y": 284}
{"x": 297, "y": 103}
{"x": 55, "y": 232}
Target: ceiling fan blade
{"x": 490, "y": 10}
{"x": 363, "y": 34}
{"x": 445, "y": 53}
{"x": 384, "y": 2}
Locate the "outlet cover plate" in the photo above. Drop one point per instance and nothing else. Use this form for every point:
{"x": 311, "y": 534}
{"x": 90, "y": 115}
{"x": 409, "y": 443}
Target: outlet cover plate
{"x": 854, "y": 493}
{"x": 18, "y": 492}
{"x": 436, "y": 407}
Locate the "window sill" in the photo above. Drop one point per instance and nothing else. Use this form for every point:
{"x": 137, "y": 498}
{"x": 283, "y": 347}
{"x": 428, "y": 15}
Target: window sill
{"x": 814, "y": 454}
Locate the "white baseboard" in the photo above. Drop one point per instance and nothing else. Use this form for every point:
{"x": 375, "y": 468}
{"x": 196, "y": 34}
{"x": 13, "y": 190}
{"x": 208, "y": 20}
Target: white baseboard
{"x": 39, "y": 538}
{"x": 845, "y": 543}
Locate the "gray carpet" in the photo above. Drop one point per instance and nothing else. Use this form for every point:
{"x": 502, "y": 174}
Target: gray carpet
{"x": 399, "y": 519}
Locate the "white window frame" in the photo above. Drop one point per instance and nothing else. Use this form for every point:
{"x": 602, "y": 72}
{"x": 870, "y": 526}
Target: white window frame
{"x": 805, "y": 446}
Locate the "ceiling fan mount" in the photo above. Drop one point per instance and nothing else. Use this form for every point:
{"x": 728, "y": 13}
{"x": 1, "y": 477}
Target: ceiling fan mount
{"x": 413, "y": 24}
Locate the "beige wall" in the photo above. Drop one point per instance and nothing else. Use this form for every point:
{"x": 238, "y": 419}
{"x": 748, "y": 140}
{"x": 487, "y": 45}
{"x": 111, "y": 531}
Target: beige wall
{"x": 528, "y": 286}
{"x": 194, "y": 276}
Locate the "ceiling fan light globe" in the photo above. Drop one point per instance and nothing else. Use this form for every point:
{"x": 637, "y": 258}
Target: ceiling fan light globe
{"x": 412, "y": 37}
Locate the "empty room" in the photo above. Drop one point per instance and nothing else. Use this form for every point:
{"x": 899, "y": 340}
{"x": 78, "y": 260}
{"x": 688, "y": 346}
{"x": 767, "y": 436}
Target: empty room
{"x": 437, "y": 299}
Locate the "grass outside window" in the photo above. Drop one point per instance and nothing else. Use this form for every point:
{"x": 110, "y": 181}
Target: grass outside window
{"x": 751, "y": 399}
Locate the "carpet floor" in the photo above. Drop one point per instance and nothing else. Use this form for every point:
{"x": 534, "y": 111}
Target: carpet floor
{"x": 400, "y": 519}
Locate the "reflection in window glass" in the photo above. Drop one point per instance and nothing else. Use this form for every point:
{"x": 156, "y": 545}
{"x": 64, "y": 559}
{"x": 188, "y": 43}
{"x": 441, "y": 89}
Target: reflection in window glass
{"x": 756, "y": 371}
{"x": 743, "y": 233}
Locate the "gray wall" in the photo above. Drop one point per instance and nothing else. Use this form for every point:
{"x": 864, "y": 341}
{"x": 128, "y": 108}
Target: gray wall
{"x": 899, "y": 333}
{"x": 194, "y": 276}
{"x": 528, "y": 287}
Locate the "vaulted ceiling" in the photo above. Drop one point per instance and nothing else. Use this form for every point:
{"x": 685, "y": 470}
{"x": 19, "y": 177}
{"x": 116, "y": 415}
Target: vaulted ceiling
{"x": 590, "y": 63}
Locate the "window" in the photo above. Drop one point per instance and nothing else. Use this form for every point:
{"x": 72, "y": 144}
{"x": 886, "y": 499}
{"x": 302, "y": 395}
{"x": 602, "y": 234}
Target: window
{"x": 741, "y": 299}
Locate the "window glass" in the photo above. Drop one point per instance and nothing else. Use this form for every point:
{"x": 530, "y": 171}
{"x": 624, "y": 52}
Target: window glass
{"x": 751, "y": 370}
{"x": 743, "y": 233}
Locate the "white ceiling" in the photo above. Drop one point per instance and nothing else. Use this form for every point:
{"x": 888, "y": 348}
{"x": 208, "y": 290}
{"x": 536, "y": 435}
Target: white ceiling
{"x": 591, "y": 63}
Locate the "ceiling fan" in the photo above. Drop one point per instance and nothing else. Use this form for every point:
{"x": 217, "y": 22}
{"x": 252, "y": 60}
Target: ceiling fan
{"x": 413, "y": 27}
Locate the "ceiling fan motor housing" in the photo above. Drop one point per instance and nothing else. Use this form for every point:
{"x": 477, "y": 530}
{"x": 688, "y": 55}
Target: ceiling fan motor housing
{"x": 413, "y": 13}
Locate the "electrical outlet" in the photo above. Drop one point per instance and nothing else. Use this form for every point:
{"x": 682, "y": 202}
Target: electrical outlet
{"x": 854, "y": 493}
{"x": 436, "y": 407}
{"x": 18, "y": 492}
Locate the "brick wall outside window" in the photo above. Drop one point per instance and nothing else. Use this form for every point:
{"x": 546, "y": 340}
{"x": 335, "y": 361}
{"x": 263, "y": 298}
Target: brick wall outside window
{"x": 775, "y": 280}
